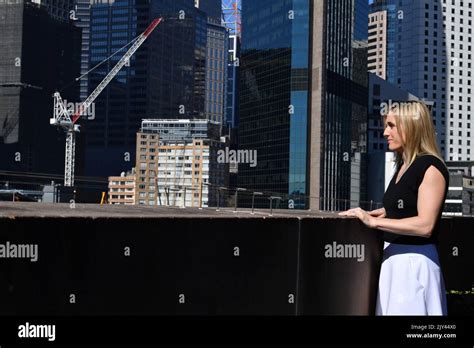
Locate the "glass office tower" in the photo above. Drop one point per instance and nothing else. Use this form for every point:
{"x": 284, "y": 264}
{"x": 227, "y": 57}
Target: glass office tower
{"x": 216, "y": 71}
{"x": 303, "y": 100}
{"x": 40, "y": 54}
{"x": 274, "y": 94}
{"x": 82, "y": 20}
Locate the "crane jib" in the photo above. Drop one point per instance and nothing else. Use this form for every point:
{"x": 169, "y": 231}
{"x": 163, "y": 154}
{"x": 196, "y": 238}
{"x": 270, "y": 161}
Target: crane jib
{"x": 132, "y": 50}
{"x": 152, "y": 27}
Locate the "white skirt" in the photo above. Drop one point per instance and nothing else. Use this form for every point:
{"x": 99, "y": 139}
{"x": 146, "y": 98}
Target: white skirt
{"x": 411, "y": 282}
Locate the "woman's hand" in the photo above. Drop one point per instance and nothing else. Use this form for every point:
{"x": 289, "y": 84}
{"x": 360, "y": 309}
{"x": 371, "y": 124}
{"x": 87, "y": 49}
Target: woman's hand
{"x": 378, "y": 213}
{"x": 363, "y": 216}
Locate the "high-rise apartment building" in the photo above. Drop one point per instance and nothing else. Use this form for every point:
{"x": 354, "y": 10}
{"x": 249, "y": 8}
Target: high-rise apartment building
{"x": 303, "y": 99}
{"x": 177, "y": 163}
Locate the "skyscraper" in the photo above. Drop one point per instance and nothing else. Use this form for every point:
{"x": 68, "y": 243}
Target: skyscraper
{"x": 40, "y": 55}
{"x": 216, "y": 71}
{"x": 81, "y": 17}
{"x": 303, "y": 99}
{"x": 428, "y": 53}
{"x": 231, "y": 10}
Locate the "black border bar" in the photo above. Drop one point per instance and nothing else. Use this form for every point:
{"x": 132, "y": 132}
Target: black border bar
{"x": 244, "y": 329}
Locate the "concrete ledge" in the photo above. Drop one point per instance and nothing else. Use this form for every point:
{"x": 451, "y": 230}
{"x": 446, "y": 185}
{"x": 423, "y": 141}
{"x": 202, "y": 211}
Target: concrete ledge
{"x": 166, "y": 261}
{"x": 64, "y": 210}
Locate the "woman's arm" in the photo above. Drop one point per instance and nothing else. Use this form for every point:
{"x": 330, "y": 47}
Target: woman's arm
{"x": 429, "y": 203}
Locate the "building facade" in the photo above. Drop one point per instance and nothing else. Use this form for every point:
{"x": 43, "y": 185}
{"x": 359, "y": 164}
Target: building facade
{"x": 122, "y": 189}
{"x": 233, "y": 64}
{"x": 377, "y": 54}
{"x": 81, "y": 17}
{"x": 460, "y": 196}
{"x": 231, "y": 13}
{"x": 468, "y": 193}
{"x": 62, "y": 10}
{"x": 177, "y": 163}
{"x": 40, "y": 55}
{"x": 303, "y": 99}
{"x": 429, "y": 45}
{"x": 216, "y": 71}
{"x": 212, "y": 8}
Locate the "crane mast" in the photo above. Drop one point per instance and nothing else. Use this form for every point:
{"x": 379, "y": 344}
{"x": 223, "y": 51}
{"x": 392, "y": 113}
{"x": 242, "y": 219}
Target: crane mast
{"x": 62, "y": 115}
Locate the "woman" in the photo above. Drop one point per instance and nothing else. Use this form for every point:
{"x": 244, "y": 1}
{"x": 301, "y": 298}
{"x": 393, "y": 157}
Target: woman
{"x": 411, "y": 282}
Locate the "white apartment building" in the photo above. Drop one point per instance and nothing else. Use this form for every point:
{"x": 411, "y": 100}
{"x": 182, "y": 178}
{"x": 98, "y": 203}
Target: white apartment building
{"x": 176, "y": 163}
{"x": 172, "y": 174}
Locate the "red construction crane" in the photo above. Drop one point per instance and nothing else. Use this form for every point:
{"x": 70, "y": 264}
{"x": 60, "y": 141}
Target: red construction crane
{"x": 64, "y": 118}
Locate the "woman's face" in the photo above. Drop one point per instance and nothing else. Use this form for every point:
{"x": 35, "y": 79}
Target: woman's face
{"x": 393, "y": 133}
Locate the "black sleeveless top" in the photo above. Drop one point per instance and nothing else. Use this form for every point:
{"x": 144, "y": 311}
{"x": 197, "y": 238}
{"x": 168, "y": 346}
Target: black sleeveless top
{"x": 400, "y": 200}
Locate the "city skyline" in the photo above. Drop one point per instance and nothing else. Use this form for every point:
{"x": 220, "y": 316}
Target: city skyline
{"x": 108, "y": 141}
{"x": 271, "y": 160}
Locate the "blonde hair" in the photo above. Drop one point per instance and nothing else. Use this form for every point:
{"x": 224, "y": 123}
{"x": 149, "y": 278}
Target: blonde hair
{"x": 416, "y": 130}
